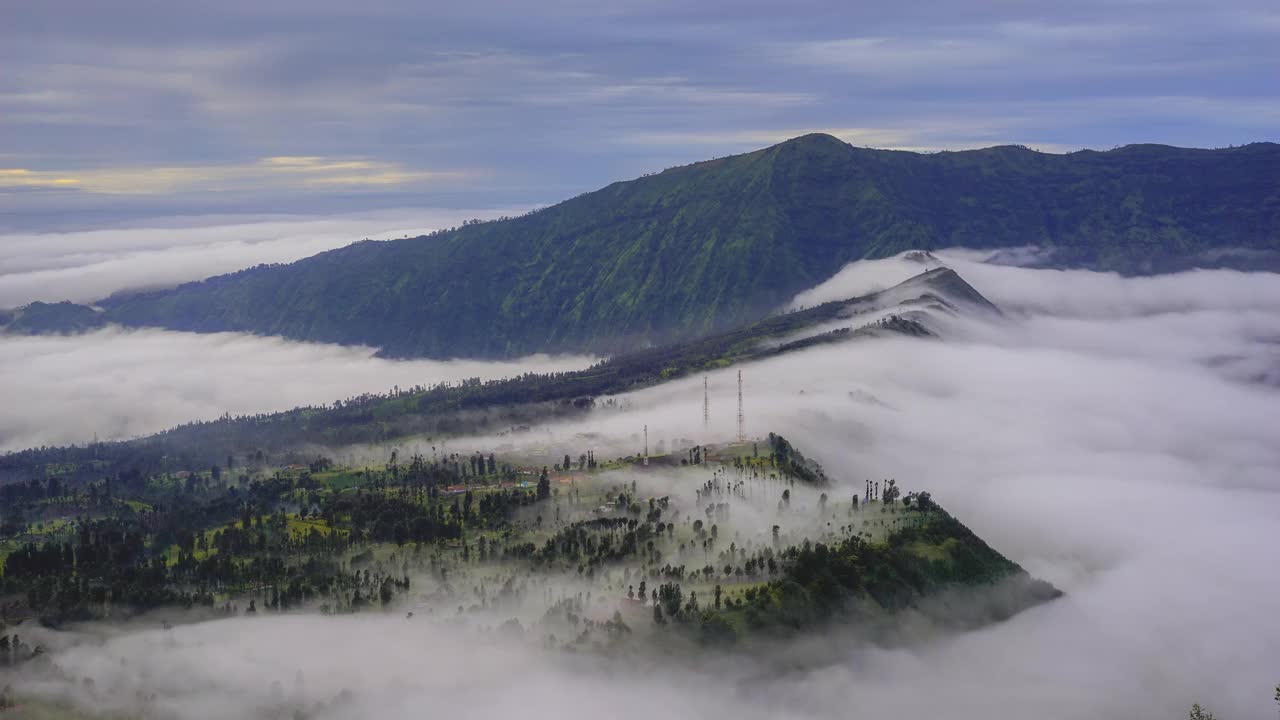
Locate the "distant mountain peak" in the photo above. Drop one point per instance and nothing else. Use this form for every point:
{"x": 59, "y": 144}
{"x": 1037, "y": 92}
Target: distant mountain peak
{"x": 710, "y": 246}
{"x": 817, "y": 139}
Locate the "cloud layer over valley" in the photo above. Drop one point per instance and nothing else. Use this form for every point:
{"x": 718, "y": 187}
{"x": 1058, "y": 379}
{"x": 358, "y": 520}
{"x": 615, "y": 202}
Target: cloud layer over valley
{"x": 1115, "y": 436}
{"x": 88, "y": 265}
{"x": 121, "y": 383}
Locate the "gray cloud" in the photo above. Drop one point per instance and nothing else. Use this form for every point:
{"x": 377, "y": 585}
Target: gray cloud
{"x": 530, "y": 107}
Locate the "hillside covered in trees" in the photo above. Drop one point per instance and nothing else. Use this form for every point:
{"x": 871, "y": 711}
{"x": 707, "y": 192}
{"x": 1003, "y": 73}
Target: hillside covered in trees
{"x": 584, "y": 554}
{"x": 704, "y": 247}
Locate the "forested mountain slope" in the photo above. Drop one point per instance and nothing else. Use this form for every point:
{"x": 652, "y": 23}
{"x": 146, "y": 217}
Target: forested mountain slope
{"x": 707, "y": 246}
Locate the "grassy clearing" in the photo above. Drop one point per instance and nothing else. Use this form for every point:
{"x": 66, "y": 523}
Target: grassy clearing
{"x": 297, "y": 526}
{"x": 929, "y": 551}
{"x": 302, "y": 527}
{"x": 343, "y": 479}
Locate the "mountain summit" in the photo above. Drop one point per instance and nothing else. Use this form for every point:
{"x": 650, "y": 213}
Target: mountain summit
{"x": 706, "y": 246}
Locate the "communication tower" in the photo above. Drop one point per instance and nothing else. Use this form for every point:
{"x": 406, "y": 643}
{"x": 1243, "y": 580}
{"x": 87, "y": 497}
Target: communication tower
{"x": 646, "y": 444}
{"x": 742, "y": 435}
{"x": 706, "y": 406}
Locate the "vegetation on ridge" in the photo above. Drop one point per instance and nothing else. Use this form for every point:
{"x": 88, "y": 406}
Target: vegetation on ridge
{"x": 739, "y": 538}
{"x": 704, "y": 247}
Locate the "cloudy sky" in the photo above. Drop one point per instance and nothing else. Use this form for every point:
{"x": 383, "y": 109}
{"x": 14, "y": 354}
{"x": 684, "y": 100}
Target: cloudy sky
{"x": 137, "y": 108}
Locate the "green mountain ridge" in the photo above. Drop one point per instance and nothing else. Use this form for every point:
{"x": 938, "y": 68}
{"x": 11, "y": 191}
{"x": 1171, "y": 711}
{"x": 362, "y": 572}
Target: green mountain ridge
{"x": 707, "y": 246}
{"x": 470, "y": 406}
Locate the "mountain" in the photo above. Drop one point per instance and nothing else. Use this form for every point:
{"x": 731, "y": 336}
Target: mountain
{"x": 41, "y": 318}
{"x": 703, "y": 247}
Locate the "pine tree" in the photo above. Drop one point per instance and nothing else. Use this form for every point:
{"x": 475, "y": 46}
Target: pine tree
{"x": 1199, "y": 713}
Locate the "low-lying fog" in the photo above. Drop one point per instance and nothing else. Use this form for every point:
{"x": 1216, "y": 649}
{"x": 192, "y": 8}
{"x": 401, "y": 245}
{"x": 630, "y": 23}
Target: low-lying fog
{"x": 89, "y": 265}
{"x": 1118, "y": 437}
{"x": 121, "y": 383}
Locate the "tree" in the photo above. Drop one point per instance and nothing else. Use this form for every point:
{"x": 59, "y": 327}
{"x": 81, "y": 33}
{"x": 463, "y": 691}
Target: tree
{"x": 924, "y": 501}
{"x": 891, "y": 492}
{"x": 544, "y": 485}
{"x": 1199, "y": 713}
{"x": 657, "y": 615}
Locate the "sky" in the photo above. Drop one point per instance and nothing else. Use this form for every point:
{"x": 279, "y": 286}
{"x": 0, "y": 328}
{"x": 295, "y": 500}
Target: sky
{"x": 115, "y": 112}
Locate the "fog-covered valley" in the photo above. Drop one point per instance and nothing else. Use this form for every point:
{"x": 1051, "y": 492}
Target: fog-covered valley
{"x": 69, "y": 389}
{"x": 85, "y": 265}
{"x": 1114, "y": 436}
{"x": 640, "y": 359}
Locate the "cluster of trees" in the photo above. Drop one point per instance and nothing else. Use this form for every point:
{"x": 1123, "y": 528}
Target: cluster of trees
{"x": 792, "y": 464}
{"x": 14, "y": 651}
{"x": 810, "y": 582}
{"x": 890, "y": 493}
{"x": 142, "y": 541}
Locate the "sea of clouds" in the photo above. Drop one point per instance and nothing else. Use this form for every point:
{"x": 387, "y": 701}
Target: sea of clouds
{"x": 117, "y": 383}
{"x": 1118, "y": 437}
{"x": 88, "y": 265}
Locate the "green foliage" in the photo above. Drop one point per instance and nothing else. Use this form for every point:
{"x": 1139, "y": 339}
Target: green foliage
{"x": 821, "y": 580}
{"x": 793, "y": 464}
{"x": 296, "y": 539}
{"x": 206, "y": 542}
{"x": 707, "y": 246}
